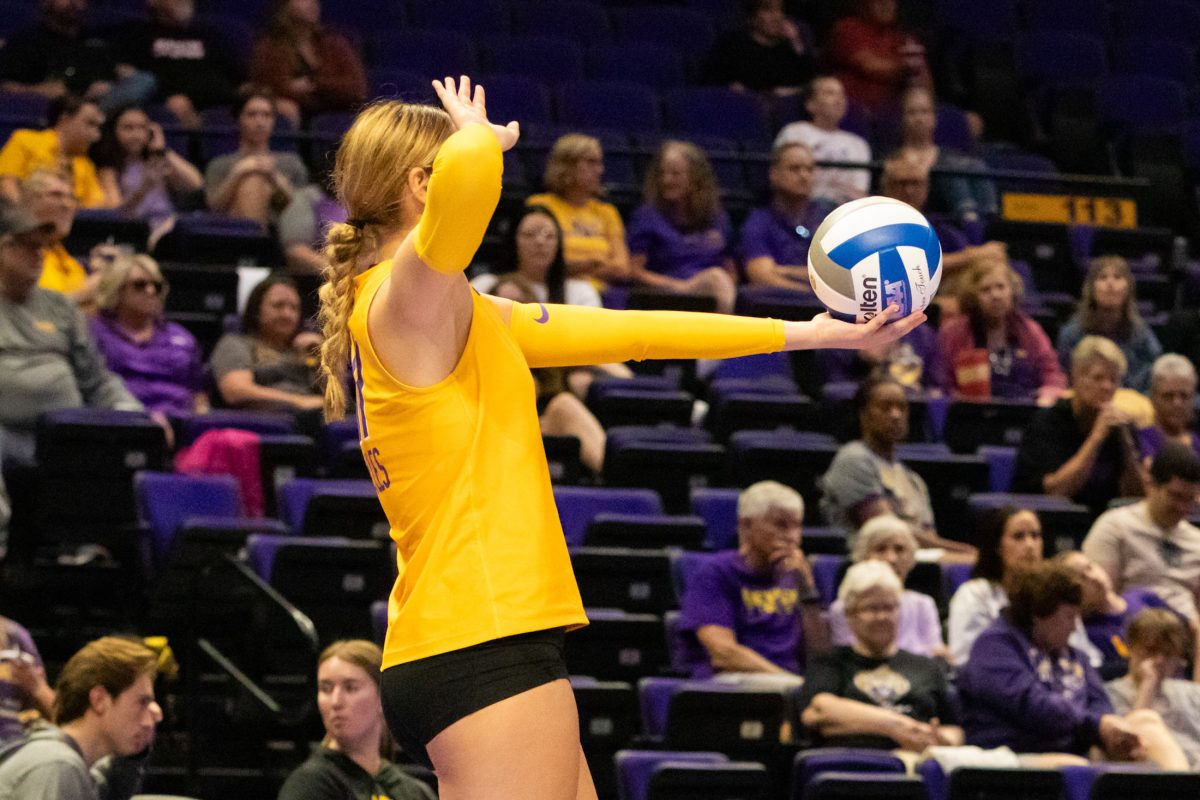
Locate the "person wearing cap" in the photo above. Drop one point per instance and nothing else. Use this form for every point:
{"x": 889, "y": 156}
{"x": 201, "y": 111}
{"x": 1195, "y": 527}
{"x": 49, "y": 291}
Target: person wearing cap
{"x": 46, "y": 353}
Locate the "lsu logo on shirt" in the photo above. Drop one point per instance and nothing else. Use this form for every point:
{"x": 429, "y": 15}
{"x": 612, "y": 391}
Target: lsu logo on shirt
{"x": 770, "y": 601}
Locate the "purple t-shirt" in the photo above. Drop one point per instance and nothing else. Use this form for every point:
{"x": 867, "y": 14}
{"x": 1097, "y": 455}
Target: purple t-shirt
{"x": 1152, "y": 440}
{"x": 919, "y": 630}
{"x": 12, "y": 698}
{"x": 762, "y": 610}
{"x": 676, "y": 253}
{"x": 1107, "y": 631}
{"x": 164, "y": 372}
{"x": 766, "y": 232}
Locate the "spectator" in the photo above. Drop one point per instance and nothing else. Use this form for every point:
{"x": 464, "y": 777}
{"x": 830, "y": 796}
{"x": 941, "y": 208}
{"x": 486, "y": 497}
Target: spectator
{"x": 159, "y": 361}
{"x": 1108, "y": 307}
{"x": 1158, "y": 649}
{"x": 195, "y": 64}
{"x": 272, "y": 364}
{"x": 302, "y": 226}
{"x": 137, "y": 167}
{"x": 754, "y": 609}
{"x": 822, "y": 134}
{"x": 46, "y": 355}
{"x": 873, "y": 693}
{"x": 875, "y": 57}
{"x": 1026, "y": 688}
{"x": 23, "y": 684}
{"x": 866, "y": 478}
{"x": 47, "y": 195}
{"x": 994, "y": 349}
{"x": 353, "y": 761}
{"x": 594, "y": 235}
{"x": 104, "y": 706}
{"x": 1150, "y": 544}
{"x": 74, "y": 127}
{"x": 680, "y": 240}
{"x": 967, "y": 199}
{"x": 770, "y": 53}
{"x": 254, "y": 182}
{"x": 311, "y": 69}
{"x": 889, "y": 539}
{"x": 1083, "y": 447}
{"x": 775, "y": 238}
{"x": 1173, "y": 394}
{"x": 1010, "y": 544}
{"x": 61, "y": 55}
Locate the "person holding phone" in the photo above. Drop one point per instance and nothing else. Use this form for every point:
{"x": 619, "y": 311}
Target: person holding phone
{"x": 23, "y": 685}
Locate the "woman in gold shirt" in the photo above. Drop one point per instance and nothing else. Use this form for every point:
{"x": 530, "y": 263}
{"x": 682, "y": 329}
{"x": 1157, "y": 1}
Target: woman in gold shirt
{"x": 474, "y": 680}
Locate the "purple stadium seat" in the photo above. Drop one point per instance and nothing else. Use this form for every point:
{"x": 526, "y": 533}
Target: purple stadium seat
{"x": 979, "y": 22}
{"x": 579, "y": 505}
{"x": 634, "y": 768}
{"x": 1068, "y": 16}
{"x": 1064, "y": 523}
{"x": 618, "y": 645}
{"x": 808, "y": 764}
{"x": 794, "y": 458}
{"x": 472, "y": 17}
{"x": 364, "y": 15}
{"x": 604, "y": 104}
{"x": 717, "y": 112}
{"x": 395, "y": 84}
{"x": 425, "y": 52}
{"x": 636, "y": 580}
{"x": 718, "y": 509}
{"x": 1161, "y": 19}
{"x": 671, "y": 468}
{"x": 1059, "y": 57}
{"x": 582, "y": 21}
{"x": 654, "y": 531}
{"x": 260, "y": 422}
{"x": 323, "y": 507}
{"x": 1002, "y": 465}
{"x": 166, "y": 500}
{"x": 1155, "y": 57}
{"x": 825, "y": 570}
{"x": 207, "y": 238}
{"x": 746, "y": 780}
{"x": 379, "y": 621}
{"x": 954, "y": 576}
{"x": 689, "y": 30}
{"x": 517, "y": 97}
{"x": 547, "y": 58}
{"x": 645, "y": 63}
{"x": 1142, "y": 103}
{"x": 865, "y": 786}
{"x": 28, "y": 108}
{"x": 684, "y": 564}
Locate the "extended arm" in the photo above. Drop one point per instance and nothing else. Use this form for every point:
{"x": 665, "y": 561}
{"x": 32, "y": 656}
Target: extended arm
{"x": 729, "y": 656}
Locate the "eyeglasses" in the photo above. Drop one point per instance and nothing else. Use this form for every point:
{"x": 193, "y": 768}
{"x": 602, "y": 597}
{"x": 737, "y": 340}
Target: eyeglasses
{"x": 141, "y": 285}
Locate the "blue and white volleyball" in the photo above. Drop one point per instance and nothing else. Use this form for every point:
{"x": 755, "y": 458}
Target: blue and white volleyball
{"x": 871, "y": 253}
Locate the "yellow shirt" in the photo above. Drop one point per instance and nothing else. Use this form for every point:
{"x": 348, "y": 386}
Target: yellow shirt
{"x": 61, "y": 272}
{"x": 588, "y": 230}
{"x": 28, "y": 151}
{"x": 462, "y": 476}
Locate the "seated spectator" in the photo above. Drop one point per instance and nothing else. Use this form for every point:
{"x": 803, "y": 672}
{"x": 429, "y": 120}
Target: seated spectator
{"x": 966, "y": 199}
{"x": 311, "y": 69}
{"x": 822, "y": 134}
{"x": 354, "y": 758}
{"x": 775, "y": 238}
{"x": 867, "y": 478}
{"x": 908, "y": 361}
{"x": 873, "y": 693}
{"x": 46, "y": 355}
{"x": 1150, "y": 544}
{"x": 1010, "y": 544}
{"x": 594, "y": 235}
{"x": 1108, "y": 307}
{"x": 755, "y": 609}
{"x": 254, "y": 182}
{"x": 194, "y": 64}
{"x": 302, "y": 226}
{"x": 62, "y": 55}
{"x": 23, "y": 684}
{"x": 137, "y": 167}
{"x": 889, "y": 539}
{"x": 159, "y": 361}
{"x": 1083, "y": 447}
{"x": 770, "y": 53}
{"x": 272, "y": 364}
{"x": 1158, "y": 649}
{"x": 62, "y": 147}
{"x": 994, "y": 349}
{"x": 104, "y": 706}
{"x": 47, "y": 195}
{"x": 534, "y": 249}
{"x": 681, "y": 240}
{"x": 1173, "y": 395}
{"x": 1026, "y": 688}
{"x": 875, "y": 58}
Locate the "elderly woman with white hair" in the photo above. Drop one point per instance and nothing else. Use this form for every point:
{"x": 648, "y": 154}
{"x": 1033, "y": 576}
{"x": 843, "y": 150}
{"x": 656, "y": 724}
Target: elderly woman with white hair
{"x": 890, "y": 540}
{"x": 159, "y": 361}
{"x": 1173, "y": 395}
{"x": 872, "y": 693}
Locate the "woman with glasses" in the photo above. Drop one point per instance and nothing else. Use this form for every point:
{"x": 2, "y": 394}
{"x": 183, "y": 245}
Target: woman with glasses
{"x": 159, "y": 361}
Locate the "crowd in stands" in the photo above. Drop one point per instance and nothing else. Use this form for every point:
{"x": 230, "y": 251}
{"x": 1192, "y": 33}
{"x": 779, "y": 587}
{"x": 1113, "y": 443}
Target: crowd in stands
{"x": 1088, "y": 653}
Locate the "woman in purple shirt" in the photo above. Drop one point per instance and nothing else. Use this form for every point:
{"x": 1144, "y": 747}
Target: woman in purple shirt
{"x": 23, "y": 684}
{"x": 159, "y": 361}
{"x": 681, "y": 240}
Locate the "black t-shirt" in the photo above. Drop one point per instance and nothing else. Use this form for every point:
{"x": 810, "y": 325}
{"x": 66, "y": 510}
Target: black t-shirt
{"x": 196, "y": 61}
{"x": 1052, "y": 438}
{"x": 912, "y": 685}
{"x": 330, "y": 775}
{"x": 40, "y": 54}
{"x": 738, "y": 58}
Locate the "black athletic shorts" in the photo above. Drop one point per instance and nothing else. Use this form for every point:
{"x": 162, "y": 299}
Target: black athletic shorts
{"x": 422, "y": 698}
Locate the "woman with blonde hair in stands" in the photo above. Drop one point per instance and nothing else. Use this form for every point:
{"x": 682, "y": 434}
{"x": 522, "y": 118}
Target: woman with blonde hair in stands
{"x": 354, "y": 760}
{"x": 593, "y": 233}
{"x": 474, "y": 681}
{"x": 681, "y": 239}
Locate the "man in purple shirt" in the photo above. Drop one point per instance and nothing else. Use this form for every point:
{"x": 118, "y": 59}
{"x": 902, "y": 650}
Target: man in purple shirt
{"x": 775, "y": 238}
{"x": 752, "y": 609}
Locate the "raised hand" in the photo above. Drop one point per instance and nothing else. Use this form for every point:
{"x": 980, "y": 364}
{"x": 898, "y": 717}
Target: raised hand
{"x": 823, "y": 331}
{"x": 465, "y": 108}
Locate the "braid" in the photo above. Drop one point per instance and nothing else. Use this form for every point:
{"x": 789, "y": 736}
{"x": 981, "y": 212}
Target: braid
{"x": 343, "y": 246}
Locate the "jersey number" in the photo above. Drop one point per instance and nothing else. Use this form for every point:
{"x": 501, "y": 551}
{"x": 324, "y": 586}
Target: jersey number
{"x": 379, "y": 473}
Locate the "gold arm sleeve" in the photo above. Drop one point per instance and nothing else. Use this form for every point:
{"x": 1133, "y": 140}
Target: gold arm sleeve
{"x": 463, "y": 192}
{"x": 565, "y": 336}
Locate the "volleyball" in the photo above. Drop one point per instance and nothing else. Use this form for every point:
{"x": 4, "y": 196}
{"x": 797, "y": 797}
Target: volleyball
{"x": 871, "y": 253}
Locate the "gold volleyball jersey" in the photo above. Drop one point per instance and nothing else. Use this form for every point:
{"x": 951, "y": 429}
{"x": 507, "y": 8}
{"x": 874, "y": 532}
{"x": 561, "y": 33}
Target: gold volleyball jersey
{"x": 461, "y": 473}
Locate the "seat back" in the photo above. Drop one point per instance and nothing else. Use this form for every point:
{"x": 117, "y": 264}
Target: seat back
{"x": 579, "y": 505}
{"x": 979, "y": 783}
{"x": 166, "y": 499}
{"x": 628, "y": 579}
